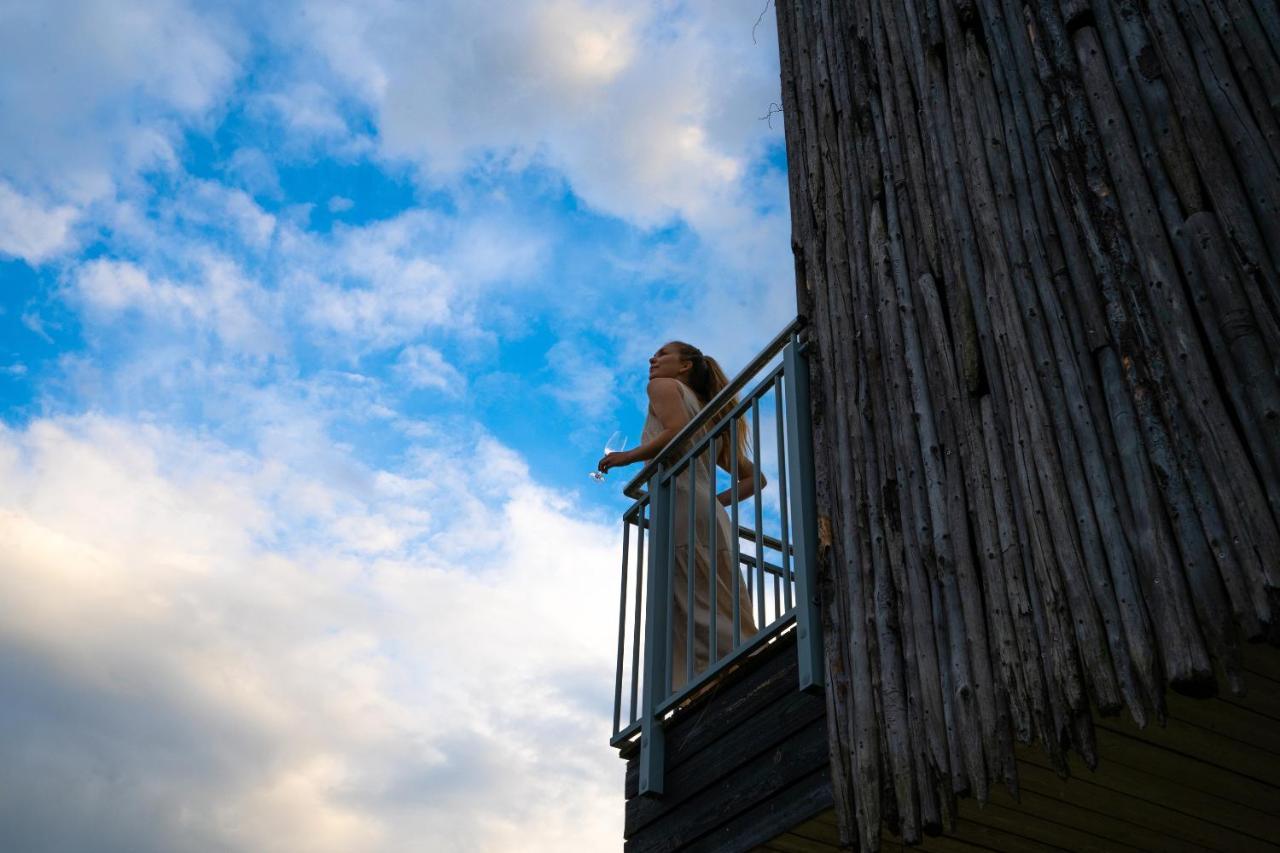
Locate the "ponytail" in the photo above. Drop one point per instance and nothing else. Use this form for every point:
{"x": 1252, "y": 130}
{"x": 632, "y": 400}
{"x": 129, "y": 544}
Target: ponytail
{"x": 707, "y": 379}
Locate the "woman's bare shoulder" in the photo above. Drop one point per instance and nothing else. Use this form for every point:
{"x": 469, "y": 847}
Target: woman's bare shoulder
{"x": 664, "y": 387}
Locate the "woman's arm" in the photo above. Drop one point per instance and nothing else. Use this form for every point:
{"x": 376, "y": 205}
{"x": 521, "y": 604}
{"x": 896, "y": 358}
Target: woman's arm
{"x": 668, "y": 407}
{"x": 746, "y": 485}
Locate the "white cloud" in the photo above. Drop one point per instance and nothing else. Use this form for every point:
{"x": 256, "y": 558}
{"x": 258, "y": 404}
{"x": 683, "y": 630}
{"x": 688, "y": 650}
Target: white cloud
{"x": 408, "y": 295}
{"x": 650, "y": 111}
{"x": 29, "y": 230}
{"x": 220, "y": 303}
{"x": 112, "y": 286}
{"x": 226, "y": 687}
{"x": 203, "y": 262}
{"x": 387, "y": 283}
{"x": 422, "y": 366}
{"x": 581, "y": 382}
{"x": 211, "y": 204}
{"x": 306, "y": 107}
{"x": 253, "y": 169}
{"x": 95, "y": 90}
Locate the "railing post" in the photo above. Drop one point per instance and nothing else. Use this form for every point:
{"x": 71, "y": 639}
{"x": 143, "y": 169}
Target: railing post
{"x": 652, "y": 742}
{"x": 804, "y": 519}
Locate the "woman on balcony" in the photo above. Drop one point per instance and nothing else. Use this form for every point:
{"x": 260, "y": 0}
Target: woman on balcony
{"x": 681, "y": 382}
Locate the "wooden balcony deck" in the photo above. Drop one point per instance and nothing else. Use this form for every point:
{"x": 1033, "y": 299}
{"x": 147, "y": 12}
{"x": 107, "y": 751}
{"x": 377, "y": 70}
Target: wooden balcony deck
{"x": 746, "y": 761}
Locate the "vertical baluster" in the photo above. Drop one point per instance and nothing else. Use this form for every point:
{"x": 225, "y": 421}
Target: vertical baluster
{"x": 804, "y": 517}
{"x": 772, "y": 577}
{"x": 657, "y": 642}
{"x": 734, "y": 533}
{"x": 758, "y": 505}
{"x": 622, "y": 628}
{"x": 690, "y": 567}
{"x": 777, "y": 597}
{"x": 782, "y": 490}
{"x": 669, "y": 522}
{"x": 713, "y": 548}
{"x": 635, "y": 625}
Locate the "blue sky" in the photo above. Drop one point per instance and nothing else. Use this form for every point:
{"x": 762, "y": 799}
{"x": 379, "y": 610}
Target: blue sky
{"x": 313, "y": 317}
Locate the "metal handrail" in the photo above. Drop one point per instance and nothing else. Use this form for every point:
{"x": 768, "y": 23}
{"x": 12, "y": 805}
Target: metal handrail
{"x": 773, "y": 543}
{"x": 646, "y": 600}
{"x": 709, "y": 411}
{"x": 773, "y": 569}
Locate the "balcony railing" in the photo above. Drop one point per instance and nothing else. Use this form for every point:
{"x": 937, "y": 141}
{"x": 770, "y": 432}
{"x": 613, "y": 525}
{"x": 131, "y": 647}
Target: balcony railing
{"x": 772, "y": 588}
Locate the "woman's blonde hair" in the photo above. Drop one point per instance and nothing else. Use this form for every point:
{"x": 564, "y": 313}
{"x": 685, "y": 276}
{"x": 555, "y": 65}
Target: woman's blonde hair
{"x": 707, "y": 379}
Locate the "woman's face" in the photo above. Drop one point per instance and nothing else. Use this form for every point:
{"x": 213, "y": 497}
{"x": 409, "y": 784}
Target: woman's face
{"x": 666, "y": 363}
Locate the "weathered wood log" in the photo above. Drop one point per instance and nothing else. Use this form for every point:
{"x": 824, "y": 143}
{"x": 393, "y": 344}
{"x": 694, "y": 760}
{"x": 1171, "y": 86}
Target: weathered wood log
{"x": 888, "y": 27}
{"x": 896, "y": 723}
{"x": 1268, "y": 14}
{"x": 1059, "y": 379}
{"x": 1167, "y": 302}
{"x": 977, "y": 482}
{"x": 1251, "y": 60}
{"x": 1063, "y": 559}
{"x": 1214, "y": 154}
{"x": 1120, "y": 21}
{"x": 1060, "y": 307}
{"x": 813, "y": 298}
{"x": 1234, "y": 329}
{"x": 1188, "y": 385}
{"x": 972, "y": 696}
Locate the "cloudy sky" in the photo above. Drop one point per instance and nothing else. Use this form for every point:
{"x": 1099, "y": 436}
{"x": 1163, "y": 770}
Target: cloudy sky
{"x": 313, "y": 317}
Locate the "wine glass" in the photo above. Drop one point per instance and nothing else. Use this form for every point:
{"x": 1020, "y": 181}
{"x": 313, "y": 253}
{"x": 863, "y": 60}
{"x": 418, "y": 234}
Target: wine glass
{"x": 616, "y": 442}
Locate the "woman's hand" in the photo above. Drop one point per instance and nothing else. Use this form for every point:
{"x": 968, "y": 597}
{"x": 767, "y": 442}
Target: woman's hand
{"x": 615, "y": 460}
{"x": 746, "y": 486}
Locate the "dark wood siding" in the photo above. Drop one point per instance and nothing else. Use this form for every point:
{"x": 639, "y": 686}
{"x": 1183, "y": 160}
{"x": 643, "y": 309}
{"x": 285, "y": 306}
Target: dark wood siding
{"x": 1207, "y": 780}
{"x": 1039, "y": 244}
{"x": 745, "y": 762}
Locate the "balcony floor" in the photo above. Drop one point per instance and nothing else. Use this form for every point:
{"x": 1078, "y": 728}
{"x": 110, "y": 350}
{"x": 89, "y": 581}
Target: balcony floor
{"x": 746, "y": 759}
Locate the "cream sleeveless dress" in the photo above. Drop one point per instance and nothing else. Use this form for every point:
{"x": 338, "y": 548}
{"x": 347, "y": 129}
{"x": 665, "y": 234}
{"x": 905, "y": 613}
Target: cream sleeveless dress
{"x": 726, "y": 572}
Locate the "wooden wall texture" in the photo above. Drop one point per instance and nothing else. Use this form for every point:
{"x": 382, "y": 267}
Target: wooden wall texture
{"x": 1039, "y": 243}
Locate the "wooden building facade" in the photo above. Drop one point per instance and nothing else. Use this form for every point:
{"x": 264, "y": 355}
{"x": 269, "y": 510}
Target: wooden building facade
{"x": 1038, "y": 247}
